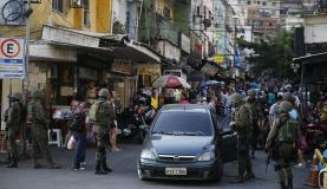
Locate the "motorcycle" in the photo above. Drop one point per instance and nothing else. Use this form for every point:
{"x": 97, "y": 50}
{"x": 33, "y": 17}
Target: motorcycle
{"x": 134, "y": 123}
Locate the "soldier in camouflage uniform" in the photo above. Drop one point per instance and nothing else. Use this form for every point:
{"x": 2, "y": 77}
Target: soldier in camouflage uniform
{"x": 242, "y": 125}
{"x": 251, "y": 104}
{"x": 104, "y": 118}
{"x": 39, "y": 128}
{"x": 281, "y": 143}
{"x": 14, "y": 125}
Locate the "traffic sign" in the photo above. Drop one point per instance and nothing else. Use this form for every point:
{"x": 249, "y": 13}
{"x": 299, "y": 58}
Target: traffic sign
{"x": 12, "y": 58}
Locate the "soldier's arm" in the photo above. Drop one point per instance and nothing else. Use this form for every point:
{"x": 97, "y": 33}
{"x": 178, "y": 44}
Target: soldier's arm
{"x": 13, "y": 113}
{"x": 40, "y": 114}
{"x": 272, "y": 134}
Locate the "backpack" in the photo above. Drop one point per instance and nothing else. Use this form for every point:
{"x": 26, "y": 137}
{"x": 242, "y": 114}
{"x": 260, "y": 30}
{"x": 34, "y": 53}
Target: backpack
{"x": 94, "y": 109}
{"x": 288, "y": 131}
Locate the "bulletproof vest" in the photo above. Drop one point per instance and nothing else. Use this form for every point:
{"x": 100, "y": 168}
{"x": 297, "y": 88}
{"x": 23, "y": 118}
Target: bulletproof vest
{"x": 288, "y": 131}
{"x": 104, "y": 113}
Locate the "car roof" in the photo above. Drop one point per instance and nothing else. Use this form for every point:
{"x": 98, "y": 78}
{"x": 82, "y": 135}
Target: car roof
{"x": 186, "y": 107}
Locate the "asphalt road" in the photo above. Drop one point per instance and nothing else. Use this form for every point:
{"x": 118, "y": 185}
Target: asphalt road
{"x": 125, "y": 175}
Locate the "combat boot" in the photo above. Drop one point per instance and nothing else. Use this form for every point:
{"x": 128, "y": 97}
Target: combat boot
{"x": 105, "y": 167}
{"x": 239, "y": 179}
{"x": 54, "y": 166}
{"x": 99, "y": 170}
{"x": 13, "y": 163}
{"x": 283, "y": 185}
{"x": 290, "y": 183}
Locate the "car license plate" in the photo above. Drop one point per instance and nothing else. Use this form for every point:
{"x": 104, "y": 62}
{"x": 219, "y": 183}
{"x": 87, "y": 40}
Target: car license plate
{"x": 176, "y": 171}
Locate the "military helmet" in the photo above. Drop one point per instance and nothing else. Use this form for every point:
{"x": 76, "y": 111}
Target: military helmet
{"x": 103, "y": 93}
{"x": 289, "y": 97}
{"x": 17, "y": 96}
{"x": 285, "y": 107}
{"x": 36, "y": 94}
{"x": 236, "y": 99}
{"x": 251, "y": 93}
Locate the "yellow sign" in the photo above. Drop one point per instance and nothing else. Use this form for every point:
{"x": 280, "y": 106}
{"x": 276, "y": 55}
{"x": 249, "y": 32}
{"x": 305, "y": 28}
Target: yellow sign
{"x": 217, "y": 58}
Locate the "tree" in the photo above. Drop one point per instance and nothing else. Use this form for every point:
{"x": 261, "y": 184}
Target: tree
{"x": 272, "y": 56}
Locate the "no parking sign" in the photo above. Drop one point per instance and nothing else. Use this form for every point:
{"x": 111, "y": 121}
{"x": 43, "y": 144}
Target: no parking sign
{"x": 12, "y": 58}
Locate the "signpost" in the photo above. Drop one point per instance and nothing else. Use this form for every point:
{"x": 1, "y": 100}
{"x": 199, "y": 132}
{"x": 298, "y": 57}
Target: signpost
{"x": 12, "y": 58}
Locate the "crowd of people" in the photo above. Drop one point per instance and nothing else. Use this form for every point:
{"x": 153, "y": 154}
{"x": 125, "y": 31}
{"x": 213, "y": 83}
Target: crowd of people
{"x": 264, "y": 118}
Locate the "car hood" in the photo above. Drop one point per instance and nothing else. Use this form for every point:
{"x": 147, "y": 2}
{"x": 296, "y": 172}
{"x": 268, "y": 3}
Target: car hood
{"x": 179, "y": 145}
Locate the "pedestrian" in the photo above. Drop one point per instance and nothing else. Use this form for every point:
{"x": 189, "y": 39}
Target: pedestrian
{"x": 114, "y": 127}
{"x": 102, "y": 113}
{"x": 14, "y": 125}
{"x": 184, "y": 99}
{"x": 281, "y": 144}
{"x": 251, "y": 104}
{"x": 273, "y": 112}
{"x": 242, "y": 123}
{"x": 154, "y": 101}
{"x": 78, "y": 130}
{"x": 38, "y": 117}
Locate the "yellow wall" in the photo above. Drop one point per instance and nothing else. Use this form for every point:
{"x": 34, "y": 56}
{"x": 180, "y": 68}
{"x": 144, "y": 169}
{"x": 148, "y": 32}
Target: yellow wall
{"x": 100, "y": 16}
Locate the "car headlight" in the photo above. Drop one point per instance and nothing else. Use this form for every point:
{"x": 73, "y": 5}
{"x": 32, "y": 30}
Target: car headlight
{"x": 206, "y": 156}
{"x": 147, "y": 155}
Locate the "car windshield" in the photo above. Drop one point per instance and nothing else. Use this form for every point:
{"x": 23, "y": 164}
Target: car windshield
{"x": 187, "y": 123}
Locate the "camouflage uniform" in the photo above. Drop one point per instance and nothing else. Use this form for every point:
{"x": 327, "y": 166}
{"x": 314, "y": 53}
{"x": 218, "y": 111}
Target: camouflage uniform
{"x": 282, "y": 144}
{"x": 39, "y": 129}
{"x": 14, "y": 125}
{"x": 242, "y": 125}
{"x": 104, "y": 118}
{"x": 251, "y": 105}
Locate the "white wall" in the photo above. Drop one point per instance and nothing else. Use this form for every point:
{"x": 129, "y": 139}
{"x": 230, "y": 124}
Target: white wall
{"x": 119, "y": 9}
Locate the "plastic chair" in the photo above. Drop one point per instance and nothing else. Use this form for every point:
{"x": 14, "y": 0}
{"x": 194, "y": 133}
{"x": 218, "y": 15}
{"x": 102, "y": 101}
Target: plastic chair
{"x": 56, "y": 137}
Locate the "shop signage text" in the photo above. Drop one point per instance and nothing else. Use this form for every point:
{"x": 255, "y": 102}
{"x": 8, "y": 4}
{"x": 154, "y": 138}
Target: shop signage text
{"x": 123, "y": 66}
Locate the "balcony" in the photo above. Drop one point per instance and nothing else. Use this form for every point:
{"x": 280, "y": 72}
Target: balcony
{"x": 167, "y": 30}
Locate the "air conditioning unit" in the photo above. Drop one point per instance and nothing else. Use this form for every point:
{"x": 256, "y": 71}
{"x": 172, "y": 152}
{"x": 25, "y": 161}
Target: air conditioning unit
{"x": 76, "y": 3}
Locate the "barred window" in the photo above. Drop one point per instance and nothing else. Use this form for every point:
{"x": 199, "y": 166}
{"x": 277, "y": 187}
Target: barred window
{"x": 58, "y": 5}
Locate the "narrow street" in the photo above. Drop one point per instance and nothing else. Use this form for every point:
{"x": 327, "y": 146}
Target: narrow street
{"x": 124, "y": 175}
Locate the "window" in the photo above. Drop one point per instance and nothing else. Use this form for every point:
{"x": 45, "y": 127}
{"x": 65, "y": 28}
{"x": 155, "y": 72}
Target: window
{"x": 58, "y": 5}
{"x": 86, "y": 13}
{"x": 198, "y": 11}
{"x": 248, "y": 2}
{"x": 191, "y": 122}
{"x": 264, "y": 3}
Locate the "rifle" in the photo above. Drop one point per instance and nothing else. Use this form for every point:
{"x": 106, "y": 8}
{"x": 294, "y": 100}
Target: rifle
{"x": 267, "y": 162}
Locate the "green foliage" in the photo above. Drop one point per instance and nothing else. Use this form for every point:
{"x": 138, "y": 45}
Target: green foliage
{"x": 272, "y": 56}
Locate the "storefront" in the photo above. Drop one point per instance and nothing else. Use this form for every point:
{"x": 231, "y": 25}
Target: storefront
{"x": 147, "y": 74}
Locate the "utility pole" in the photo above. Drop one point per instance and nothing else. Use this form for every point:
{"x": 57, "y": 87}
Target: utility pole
{"x": 235, "y": 50}
{"x": 26, "y": 82}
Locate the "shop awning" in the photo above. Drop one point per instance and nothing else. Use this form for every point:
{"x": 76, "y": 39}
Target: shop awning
{"x": 117, "y": 46}
{"x": 311, "y": 58}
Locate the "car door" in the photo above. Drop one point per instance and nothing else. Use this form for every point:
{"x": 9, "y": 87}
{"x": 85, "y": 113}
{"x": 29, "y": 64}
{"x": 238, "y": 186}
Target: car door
{"x": 228, "y": 145}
